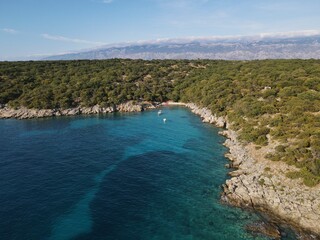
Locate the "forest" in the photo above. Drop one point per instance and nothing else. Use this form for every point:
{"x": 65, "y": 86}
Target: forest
{"x": 64, "y": 84}
{"x": 265, "y": 100}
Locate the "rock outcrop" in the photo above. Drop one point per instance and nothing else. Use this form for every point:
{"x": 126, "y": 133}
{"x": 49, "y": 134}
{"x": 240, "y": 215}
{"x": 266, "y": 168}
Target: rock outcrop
{"x": 207, "y": 115}
{"x": 25, "y": 113}
{"x": 129, "y": 107}
{"x": 261, "y": 184}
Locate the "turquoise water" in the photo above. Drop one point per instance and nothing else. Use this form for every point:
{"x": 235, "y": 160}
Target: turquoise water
{"x": 122, "y": 176}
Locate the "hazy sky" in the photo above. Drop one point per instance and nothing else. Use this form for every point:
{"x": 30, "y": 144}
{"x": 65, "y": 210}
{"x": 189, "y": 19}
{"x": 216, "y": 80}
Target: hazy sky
{"x": 32, "y": 27}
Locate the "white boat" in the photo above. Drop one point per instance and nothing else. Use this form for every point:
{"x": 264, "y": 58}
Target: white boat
{"x": 159, "y": 112}
{"x": 164, "y": 120}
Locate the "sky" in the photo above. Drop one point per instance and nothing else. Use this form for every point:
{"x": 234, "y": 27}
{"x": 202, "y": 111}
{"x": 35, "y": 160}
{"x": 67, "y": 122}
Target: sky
{"x": 34, "y": 28}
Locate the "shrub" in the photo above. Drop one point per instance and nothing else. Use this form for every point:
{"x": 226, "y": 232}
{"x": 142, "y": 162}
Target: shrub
{"x": 280, "y": 148}
{"x": 261, "y": 181}
{"x": 267, "y": 169}
{"x": 309, "y": 179}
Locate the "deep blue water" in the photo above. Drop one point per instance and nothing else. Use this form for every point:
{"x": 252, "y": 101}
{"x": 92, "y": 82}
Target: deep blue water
{"x": 118, "y": 176}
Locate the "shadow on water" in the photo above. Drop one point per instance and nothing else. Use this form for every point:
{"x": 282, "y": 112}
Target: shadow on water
{"x": 78, "y": 220}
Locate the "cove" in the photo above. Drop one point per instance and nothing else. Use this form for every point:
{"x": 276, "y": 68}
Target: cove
{"x": 116, "y": 176}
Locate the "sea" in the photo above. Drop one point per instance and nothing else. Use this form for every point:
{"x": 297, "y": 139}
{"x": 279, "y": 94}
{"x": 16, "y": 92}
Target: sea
{"x": 120, "y": 176}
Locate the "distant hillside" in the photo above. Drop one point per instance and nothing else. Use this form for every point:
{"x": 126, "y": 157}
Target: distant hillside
{"x": 228, "y": 48}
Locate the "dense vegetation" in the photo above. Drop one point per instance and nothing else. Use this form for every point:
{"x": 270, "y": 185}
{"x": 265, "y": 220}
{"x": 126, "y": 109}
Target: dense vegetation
{"x": 63, "y": 84}
{"x": 269, "y": 102}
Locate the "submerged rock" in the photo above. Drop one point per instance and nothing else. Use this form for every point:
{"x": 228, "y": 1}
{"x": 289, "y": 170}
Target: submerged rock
{"x": 264, "y": 228}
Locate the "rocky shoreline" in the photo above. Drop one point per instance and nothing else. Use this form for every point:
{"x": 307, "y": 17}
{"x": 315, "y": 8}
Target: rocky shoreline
{"x": 256, "y": 183}
{"x": 25, "y": 113}
{"x": 260, "y": 184}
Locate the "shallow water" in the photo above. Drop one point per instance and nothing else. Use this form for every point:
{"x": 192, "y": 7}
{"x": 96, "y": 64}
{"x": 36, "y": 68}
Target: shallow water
{"x": 117, "y": 176}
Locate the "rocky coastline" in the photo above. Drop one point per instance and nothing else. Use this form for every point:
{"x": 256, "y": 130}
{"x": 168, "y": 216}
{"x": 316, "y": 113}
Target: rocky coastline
{"x": 256, "y": 182}
{"x": 25, "y": 113}
{"x": 260, "y": 184}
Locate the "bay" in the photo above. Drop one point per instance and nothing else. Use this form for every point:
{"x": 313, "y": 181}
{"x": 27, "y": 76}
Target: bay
{"x": 116, "y": 176}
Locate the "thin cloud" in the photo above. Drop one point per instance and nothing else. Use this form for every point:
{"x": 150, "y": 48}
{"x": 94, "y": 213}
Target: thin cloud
{"x": 107, "y": 1}
{"x": 9, "y": 30}
{"x": 66, "y": 39}
{"x": 304, "y": 33}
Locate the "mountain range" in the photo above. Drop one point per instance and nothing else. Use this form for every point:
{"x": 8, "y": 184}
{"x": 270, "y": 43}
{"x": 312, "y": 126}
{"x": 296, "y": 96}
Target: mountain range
{"x": 303, "y": 45}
